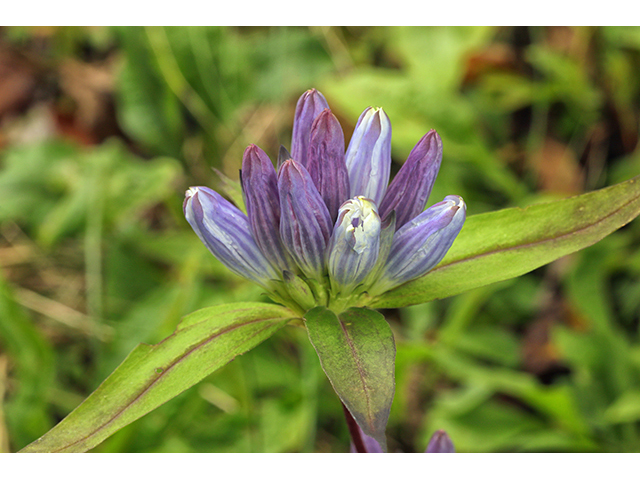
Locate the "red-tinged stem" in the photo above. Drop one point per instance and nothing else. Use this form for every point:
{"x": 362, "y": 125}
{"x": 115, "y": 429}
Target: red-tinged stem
{"x": 354, "y": 430}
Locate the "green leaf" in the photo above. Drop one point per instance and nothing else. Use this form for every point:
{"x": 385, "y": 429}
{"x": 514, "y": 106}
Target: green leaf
{"x": 147, "y": 108}
{"x": 153, "y": 374}
{"x": 233, "y": 189}
{"x": 32, "y": 374}
{"x": 357, "y": 352}
{"x": 500, "y": 245}
{"x": 625, "y": 409}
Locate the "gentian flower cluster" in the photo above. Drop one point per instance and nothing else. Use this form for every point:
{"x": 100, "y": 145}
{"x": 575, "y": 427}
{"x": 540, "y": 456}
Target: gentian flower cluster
{"x": 325, "y": 227}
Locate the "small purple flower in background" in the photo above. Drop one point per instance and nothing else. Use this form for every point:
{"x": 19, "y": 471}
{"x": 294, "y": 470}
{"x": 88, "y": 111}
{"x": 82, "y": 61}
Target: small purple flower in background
{"x": 440, "y": 443}
{"x": 327, "y": 227}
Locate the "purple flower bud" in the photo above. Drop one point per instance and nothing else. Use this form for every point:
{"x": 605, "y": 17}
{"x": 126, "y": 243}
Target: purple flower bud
{"x": 326, "y": 161}
{"x": 260, "y": 189}
{"x": 440, "y": 443}
{"x": 355, "y": 243}
{"x": 225, "y": 230}
{"x": 421, "y": 243}
{"x": 305, "y": 223}
{"x": 309, "y": 106}
{"x": 411, "y": 187}
{"x": 368, "y": 157}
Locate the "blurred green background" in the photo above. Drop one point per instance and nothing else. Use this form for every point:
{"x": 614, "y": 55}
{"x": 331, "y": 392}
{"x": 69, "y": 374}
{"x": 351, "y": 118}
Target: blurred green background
{"x": 102, "y": 130}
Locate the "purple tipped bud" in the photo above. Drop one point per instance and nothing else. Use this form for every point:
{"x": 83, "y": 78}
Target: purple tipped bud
{"x": 326, "y": 161}
{"x": 309, "y": 106}
{"x": 440, "y": 443}
{"x": 260, "y": 189}
{"x": 355, "y": 243}
{"x": 368, "y": 157}
{"x": 421, "y": 243}
{"x": 225, "y": 230}
{"x": 305, "y": 223}
{"x": 411, "y": 187}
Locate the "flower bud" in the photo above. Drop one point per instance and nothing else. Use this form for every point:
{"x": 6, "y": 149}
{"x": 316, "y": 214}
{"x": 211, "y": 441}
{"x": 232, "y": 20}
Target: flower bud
{"x": 368, "y": 157}
{"x": 309, "y": 106}
{"x": 422, "y": 243}
{"x": 355, "y": 243}
{"x": 224, "y": 229}
{"x": 260, "y": 189}
{"x": 411, "y": 187}
{"x": 305, "y": 224}
{"x": 440, "y": 443}
{"x": 326, "y": 161}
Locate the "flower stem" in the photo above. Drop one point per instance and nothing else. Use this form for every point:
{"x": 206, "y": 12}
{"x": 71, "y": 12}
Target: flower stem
{"x": 354, "y": 431}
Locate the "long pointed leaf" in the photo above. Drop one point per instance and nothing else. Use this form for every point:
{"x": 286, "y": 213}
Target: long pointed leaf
{"x": 357, "y": 352}
{"x": 153, "y": 374}
{"x": 500, "y": 245}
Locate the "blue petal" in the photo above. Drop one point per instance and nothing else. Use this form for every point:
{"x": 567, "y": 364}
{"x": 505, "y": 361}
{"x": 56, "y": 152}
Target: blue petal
{"x": 422, "y": 243}
{"x": 260, "y": 189}
{"x": 309, "y": 106}
{"x": 326, "y": 161}
{"x": 305, "y": 223}
{"x": 411, "y": 187}
{"x": 368, "y": 157}
{"x": 355, "y": 243}
{"x": 225, "y": 230}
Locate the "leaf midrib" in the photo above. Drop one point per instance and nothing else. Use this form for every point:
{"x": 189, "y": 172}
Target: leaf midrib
{"x": 167, "y": 369}
{"x": 361, "y": 372}
{"x": 444, "y": 266}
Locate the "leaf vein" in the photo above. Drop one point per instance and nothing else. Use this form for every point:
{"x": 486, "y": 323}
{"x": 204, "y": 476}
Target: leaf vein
{"x": 193, "y": 349}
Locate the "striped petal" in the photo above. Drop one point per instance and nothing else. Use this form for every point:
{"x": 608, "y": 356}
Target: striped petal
{"x": 305, "y": 223}
{"x": 225, "y": 230}
{"x": 368, "y": 157}
{"x": 411, "y": 187}
{"x": 260, "y": 189}
{"x": 355, "y": 243}
{"x": 422, "y": 243}
{"x": 326, "y": 161}
{"x": 309, "y": 106}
